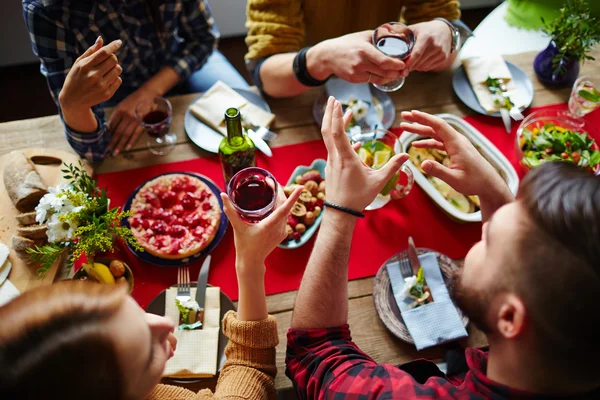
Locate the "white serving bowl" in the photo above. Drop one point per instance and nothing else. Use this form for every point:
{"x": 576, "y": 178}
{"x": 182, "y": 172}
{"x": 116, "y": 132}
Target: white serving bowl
{"x": 488, "y": 150}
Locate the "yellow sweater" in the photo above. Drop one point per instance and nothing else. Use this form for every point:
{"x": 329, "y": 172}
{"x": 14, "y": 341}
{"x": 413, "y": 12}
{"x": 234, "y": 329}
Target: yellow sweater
{"x": 250, "y": 369}
{"x": 279, "y": 26}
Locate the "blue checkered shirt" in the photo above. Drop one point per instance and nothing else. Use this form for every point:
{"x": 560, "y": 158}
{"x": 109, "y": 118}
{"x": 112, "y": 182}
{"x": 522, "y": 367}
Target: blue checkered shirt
{"x": 61, "y": 30}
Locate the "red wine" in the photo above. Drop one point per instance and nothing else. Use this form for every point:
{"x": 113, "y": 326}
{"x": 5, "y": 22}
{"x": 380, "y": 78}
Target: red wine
{"x": 156, "y": 123}
{"x": 394, "y": 47}
{"x": 253, "y": 193}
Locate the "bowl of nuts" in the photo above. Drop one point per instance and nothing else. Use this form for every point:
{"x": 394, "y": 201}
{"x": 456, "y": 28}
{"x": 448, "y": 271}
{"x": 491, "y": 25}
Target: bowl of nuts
{"x": 306, "y": 215}
{"x": 109, "y": 271}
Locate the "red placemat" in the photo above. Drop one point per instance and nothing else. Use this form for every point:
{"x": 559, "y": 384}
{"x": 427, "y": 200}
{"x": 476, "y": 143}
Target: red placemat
{"x": 377, "y": 237}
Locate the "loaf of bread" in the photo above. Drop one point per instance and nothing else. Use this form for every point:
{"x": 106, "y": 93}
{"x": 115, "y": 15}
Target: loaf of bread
{"x": 23, "y": 184}
{"x": 26, "y": 218}
{"x": 32, "y": 231}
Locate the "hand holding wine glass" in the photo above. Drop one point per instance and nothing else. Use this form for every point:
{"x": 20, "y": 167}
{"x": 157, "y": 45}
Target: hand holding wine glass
{"x": 432, "y": 48}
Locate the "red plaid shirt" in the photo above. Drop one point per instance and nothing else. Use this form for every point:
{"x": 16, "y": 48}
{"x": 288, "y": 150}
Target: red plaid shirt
{"x": 326, "y": 364}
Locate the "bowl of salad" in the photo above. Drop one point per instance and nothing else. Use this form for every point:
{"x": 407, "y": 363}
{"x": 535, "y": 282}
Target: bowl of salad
{"x": 550, "y": 135}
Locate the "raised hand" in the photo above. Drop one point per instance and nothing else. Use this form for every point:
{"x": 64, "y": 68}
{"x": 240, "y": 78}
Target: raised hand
{"x": 468, "y": 172}
{"x": 93, "y": 78}
{"x": 350, "y": 183}
{"x": 254, "y": 242}
{"x": 353, "y": 58}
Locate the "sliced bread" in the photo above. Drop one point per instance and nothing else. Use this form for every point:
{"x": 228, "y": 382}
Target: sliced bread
{"x": 32, "y": 231}
{"x": 26, "y": 218}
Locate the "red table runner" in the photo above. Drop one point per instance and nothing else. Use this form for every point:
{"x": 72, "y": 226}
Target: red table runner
{"x": 377, "y": 237}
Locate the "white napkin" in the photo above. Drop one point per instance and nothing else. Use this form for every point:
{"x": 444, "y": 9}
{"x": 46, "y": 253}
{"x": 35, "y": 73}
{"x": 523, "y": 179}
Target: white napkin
{"x": 197, "y": 350}
{"x": 211, "y": 107}
{"x": 433, "y": 323}
{"x": 8, "y": 291}
{"x": 478, "y": 69}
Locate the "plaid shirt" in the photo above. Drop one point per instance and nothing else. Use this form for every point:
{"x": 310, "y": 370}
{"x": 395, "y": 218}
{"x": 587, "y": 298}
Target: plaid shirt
{"x": 326, "y": 364}
{"x": 61, "y": 30}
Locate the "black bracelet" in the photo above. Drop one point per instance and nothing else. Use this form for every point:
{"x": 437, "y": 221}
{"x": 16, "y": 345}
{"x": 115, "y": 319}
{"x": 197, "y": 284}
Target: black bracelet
{"x": 344, "y": 209}
{"x": 301, "y": 71}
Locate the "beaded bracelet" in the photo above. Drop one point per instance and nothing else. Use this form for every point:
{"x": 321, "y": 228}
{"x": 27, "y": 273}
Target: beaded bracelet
{"x": 345, "y": 209}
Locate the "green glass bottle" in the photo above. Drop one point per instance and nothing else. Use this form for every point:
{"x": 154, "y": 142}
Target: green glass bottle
{"x": 237, "y": 150}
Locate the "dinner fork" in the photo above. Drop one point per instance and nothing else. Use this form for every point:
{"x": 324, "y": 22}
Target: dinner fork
{"x": 516, "y": 114}
{"x": 268, "y": 135}
{"x": 183, "y": 284}
{"x": 405, "y": 269}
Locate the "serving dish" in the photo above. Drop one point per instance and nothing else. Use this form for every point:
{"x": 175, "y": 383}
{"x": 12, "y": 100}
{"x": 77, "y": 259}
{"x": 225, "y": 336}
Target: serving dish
{"x": 128, "y": 274}
{"x": 319, "y": 165}
{"x": 486, "y": 148}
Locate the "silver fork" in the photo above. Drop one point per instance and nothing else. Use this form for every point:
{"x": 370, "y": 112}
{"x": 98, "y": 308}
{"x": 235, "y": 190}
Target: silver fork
{"x": 268, "y": 135}
{"x": 405, "y": 268}
{"x": 183, "y": 284}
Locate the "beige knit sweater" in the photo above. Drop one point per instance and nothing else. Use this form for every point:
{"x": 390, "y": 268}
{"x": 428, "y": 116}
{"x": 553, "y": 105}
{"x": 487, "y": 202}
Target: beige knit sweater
{"x": 279, "y": 26}
{"x": 250, "y": 369}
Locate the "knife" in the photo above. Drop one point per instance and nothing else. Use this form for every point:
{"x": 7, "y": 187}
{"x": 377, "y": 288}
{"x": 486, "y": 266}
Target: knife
{"x": 259, "y": 142}
{"x": 413, "y": 257}
{"x": 201, "y": 286}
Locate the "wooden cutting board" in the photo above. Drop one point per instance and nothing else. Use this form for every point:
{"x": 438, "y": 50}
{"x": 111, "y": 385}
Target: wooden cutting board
{"x": 23, "y": 274}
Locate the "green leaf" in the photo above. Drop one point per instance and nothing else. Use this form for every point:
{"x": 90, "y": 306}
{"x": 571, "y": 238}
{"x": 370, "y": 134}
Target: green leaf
{"x": 592, "y": 96}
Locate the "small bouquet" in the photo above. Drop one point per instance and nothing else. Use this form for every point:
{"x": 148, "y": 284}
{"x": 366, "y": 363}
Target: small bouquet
{"x": 360, "y": 109}
{"x": 78, "y": 220}
{"x": 416, "y": 288}
{"x": 190, "y": 315}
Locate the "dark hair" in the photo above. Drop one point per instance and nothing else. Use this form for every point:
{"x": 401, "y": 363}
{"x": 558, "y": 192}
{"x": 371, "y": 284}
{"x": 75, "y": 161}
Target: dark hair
{"x": 53, "y": 343}
{"x": 559, "y": 273}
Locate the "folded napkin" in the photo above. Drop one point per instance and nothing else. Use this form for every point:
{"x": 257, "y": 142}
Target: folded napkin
{"x": 8, "y": 291}
{"x": 433, "y": 323}
{"x": 478, "y": 69}
{"x": 197, "y": 350}
{"x": 211, "y": 107}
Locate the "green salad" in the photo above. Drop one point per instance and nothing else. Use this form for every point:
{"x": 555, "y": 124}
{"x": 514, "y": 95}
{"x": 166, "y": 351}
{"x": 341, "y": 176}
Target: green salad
{"x": 554, "y": 143}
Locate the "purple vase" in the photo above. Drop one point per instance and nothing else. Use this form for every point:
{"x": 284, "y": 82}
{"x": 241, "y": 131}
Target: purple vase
{"x": 548, "y": 74}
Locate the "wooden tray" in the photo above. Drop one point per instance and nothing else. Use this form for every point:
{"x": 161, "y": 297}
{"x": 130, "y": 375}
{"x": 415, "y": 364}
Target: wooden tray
{"x": 385, "y": 303}
{"x": 23, "y": 274}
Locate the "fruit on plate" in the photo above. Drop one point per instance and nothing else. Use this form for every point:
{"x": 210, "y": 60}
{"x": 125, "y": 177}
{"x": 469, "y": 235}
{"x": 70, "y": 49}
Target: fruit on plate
{"x": 308, "y": 207}
{"x": 106, "y": 271}
{"x": 175, "y": 216}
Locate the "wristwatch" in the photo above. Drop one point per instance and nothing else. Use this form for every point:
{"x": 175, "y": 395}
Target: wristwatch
{"x": 455, "y": 34}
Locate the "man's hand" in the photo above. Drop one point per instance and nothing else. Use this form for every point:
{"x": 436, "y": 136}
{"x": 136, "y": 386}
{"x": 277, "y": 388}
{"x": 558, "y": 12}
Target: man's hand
{"x": 93, "y": 79}
{"x": 254, "y": 242}
{"x": 352, "y": 57}
{"x": 125, "y": 128}
{"x": 469, "y": 173}
{"x": 432, "y": 50}
{"x": 350, "y": 183}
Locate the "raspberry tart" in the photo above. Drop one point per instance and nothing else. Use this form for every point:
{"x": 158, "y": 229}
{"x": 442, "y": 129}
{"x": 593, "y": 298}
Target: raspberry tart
{"x": 175, "y": 216}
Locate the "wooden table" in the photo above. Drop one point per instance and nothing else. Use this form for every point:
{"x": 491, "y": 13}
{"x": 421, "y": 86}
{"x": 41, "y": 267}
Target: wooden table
{"x": 294, "y": 124}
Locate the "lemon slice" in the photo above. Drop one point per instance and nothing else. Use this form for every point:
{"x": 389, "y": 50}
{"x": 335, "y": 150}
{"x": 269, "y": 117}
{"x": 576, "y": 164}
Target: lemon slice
{"x": 365, "y": 156}
{"x": 380, "y": 158}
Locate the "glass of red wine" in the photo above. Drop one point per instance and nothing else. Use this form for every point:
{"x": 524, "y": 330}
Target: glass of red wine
{"x": 155, "y": 116}
{"x": 253, "y": 192}
{"x": 395, "y": 40}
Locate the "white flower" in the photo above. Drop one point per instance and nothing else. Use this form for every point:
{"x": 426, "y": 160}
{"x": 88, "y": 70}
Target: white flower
{"x": 408, "y": 284}
{"x": 360, "y": 110}
{"x": 55, "y": 201}
{"x": 59, "y": 231}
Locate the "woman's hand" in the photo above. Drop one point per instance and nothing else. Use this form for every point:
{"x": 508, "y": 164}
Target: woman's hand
{"x": 353, "y": 58}
{"x": 254, "y": 242}
{"x": 350, "y": 183}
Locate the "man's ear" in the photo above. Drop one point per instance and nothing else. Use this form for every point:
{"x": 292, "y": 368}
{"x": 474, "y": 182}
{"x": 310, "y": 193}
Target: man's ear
{"x": 511, "y": 317}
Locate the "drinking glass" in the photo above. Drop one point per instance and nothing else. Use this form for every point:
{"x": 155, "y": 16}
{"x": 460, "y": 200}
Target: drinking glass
{"x": 252, "y": 192}
{"x": 378, "y": 147}
{"x": 395, "y": 40}
{"x": 587, "y": 86}
{"x": 155, "y": 116}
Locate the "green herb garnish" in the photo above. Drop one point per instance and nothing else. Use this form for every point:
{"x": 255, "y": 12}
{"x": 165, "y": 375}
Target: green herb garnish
{"x": 593, "y": 95}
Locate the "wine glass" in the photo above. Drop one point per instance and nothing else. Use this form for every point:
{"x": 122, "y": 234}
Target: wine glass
{"x": 585, "y": 97}
{"x": 252, "y": 192}
{"x": 155, "y": 116}
{"x": 378, "y": 147}
{"x": 395, "y": 40}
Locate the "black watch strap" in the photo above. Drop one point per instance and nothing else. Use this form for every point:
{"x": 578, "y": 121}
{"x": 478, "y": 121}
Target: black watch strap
{"x": 301, "y": 71}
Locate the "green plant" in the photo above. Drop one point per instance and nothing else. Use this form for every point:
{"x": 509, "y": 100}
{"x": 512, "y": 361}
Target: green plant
{"x": 79, "y": 221}
{"x": 575, "y": 32}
